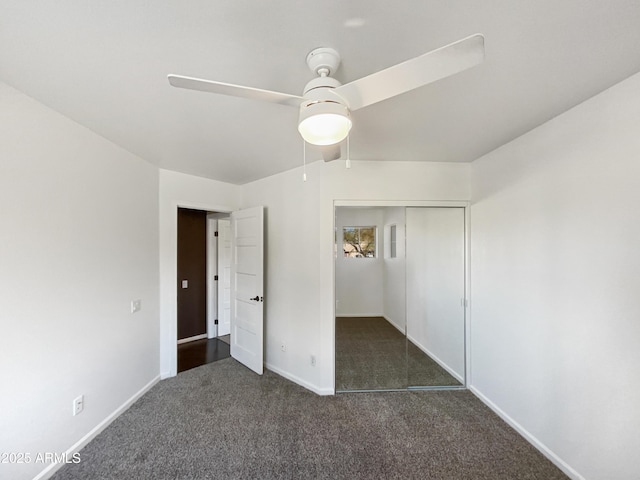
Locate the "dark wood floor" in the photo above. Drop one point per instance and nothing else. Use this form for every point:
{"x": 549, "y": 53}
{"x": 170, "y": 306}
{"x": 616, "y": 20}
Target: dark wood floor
{"x": 201, "y": 352}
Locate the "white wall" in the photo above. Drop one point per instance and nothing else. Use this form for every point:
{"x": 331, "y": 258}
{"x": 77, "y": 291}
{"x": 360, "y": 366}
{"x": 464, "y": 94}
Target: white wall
{"x": 360, "y": 281}
{"x": 78, "y": 242}
{"x": 292, "y": 287}
{"x": 299, "y": 298}
{"x": 394, "y": 288}
{"x": 181, "y": 190}
{"x": 555, "y": 337}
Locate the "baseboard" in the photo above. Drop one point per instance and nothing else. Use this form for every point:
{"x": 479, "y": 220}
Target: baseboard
{"x": 299, "y": 381}
{"x": 54, "y": 467}
{"x": 396, "y": 325}
{"x": 192, "y": 339}
{"x": 435, "y": 358}
{"x": 165, "y": 375}
{"x": 555, "y": 459}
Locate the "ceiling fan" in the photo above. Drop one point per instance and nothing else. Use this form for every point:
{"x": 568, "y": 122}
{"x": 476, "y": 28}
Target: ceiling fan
{"x": 325, "y": 104}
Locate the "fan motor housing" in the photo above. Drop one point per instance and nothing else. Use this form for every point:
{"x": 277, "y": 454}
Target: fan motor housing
{"x": 320, "y": 83}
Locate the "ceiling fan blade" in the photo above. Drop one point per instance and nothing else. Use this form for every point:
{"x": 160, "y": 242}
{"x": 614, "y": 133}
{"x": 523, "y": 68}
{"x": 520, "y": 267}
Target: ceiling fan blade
{"x": 331, "y": 152}
{"x": 234, "y": 90}
{"x": 414, "y": 73}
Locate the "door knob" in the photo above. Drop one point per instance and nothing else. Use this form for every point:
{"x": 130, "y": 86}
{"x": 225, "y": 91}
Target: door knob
{"x": 256, "y": 298}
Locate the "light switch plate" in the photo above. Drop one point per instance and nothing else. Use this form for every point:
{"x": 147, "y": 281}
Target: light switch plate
{"x": 136, "y": 305}
{"x": 185, "y": 283}
{"x": 78, "y": 405}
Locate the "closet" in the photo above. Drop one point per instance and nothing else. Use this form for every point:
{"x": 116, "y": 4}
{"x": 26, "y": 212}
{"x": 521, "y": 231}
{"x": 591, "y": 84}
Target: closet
{"x": 400, "y": 297}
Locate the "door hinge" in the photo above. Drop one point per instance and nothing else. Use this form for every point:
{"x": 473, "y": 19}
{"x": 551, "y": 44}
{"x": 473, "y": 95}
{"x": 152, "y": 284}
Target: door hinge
{"x": 215, "y": 234}
{"x": 464, "y": 302}
{"x": 215, "y": 322}
{"x": 215, "y": 278}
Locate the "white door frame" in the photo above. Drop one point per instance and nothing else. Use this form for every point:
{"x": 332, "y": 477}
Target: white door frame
{"x": 224, "y": 275}
{"x": 212, "y": 272}
{"x": 467, "y": 285}
{"x": 169, "y": 303}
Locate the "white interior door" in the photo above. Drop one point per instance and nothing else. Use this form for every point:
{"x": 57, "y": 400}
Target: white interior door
{"x": 436, "y": 284}
{"x": 247, "y": 314}
{"x": 224, "y": 276}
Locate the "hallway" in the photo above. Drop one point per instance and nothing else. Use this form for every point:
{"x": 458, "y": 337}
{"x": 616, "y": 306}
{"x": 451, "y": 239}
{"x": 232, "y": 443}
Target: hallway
{"x": 200, "y": 352}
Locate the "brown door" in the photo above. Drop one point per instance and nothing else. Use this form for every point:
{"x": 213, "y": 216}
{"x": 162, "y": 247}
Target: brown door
{"x": 192, "y": 273}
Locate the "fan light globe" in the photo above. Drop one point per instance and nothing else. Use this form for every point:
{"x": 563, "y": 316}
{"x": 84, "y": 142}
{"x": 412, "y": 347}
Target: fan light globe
{"x": 324, "y": 123}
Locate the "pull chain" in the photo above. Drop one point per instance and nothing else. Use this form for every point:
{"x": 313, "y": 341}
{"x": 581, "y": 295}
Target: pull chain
{"x": 304, "y": 161}
{"x": 348, "y": 162}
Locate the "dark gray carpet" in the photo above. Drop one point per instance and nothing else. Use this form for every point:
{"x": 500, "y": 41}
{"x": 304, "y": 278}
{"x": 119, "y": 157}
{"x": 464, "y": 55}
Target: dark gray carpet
{"x": 222, "y": 421}
{"x": 371, "y": 354}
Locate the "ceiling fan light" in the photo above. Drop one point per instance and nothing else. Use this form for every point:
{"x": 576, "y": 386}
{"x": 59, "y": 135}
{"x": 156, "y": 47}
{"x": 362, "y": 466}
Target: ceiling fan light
{"x": 324, "y": 123}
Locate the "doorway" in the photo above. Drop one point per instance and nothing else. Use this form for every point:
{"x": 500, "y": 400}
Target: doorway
{"x": 199, "y": 267}
{"x": 400, "y": 282}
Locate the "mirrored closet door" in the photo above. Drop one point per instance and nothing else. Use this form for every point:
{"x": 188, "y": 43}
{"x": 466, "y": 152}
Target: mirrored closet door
{"x": 400, "y": 283}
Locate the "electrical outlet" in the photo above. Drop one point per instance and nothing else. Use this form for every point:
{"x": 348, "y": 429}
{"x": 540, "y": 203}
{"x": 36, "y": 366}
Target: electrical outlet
{"x": 136, "y": 305}
{"x": 313, "y": 360}
{"x": 283, "y": 347}
{"x": 78, "y": 405}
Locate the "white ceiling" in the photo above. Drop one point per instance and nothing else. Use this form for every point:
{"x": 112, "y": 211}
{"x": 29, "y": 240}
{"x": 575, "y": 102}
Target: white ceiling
{"x": 104, "y": 64}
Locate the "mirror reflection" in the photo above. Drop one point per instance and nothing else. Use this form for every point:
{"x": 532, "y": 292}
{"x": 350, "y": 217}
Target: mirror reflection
{"x": 399, "y": 277}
